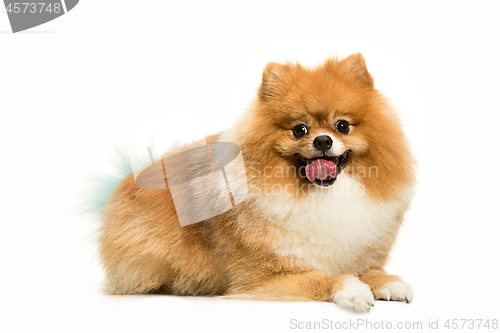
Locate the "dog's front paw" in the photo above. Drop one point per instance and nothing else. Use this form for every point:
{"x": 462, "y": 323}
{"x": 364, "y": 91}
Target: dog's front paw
{"x": 395, "y": 291}
{"x": 354, "y": 295}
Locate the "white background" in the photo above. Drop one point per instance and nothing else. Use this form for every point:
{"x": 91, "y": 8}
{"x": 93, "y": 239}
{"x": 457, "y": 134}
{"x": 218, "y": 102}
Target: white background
{"x": 74, "y": 87}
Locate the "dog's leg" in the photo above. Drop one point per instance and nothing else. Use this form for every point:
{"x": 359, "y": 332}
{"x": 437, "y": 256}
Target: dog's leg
{"x": 345, "y": 290}
{"x": 387, "y": 287}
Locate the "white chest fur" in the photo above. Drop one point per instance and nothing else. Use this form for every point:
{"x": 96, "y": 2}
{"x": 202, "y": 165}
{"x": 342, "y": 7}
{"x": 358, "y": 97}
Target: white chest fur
{"x": 334, "y": 227}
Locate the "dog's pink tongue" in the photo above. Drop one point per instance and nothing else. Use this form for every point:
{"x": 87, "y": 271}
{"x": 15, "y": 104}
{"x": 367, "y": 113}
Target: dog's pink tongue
{"x": 321, "y": 169}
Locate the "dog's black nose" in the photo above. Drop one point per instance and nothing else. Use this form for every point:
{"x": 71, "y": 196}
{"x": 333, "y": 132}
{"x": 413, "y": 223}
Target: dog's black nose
{"x": 323, "y": 142}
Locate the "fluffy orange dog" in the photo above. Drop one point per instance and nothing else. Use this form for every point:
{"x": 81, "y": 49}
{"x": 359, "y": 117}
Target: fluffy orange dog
{"x": 320, "y": 233}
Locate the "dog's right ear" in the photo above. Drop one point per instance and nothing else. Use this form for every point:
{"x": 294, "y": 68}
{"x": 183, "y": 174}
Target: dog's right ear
{"x": 274, "y": 79}
{"x": 353, "y": 66}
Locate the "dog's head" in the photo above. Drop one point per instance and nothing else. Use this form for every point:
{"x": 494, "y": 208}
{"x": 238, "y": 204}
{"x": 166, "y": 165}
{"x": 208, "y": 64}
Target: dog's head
{"x": 322, "y": 122}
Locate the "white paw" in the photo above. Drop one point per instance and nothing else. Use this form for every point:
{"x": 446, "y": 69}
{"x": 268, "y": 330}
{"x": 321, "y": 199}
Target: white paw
{"x": 354, "y": 295}
{"x": 395, "y": 291}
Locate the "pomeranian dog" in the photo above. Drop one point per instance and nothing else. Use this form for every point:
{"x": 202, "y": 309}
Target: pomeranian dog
{"x": 329, "y": 175}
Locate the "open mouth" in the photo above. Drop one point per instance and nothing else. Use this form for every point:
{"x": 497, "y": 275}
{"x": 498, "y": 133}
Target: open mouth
{"x": 323, "y": 170}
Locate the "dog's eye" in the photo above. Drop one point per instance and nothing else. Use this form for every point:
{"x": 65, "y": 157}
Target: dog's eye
{"x": 300, "y": 130}
{"x": 342, "y": 126}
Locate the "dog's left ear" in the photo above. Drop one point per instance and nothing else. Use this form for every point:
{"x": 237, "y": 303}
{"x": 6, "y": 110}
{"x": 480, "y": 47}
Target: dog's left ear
{"x": 274, "y": 78}
{"x": 355, "y": 67}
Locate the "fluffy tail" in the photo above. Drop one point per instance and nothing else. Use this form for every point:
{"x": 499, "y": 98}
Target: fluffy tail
{"x": 118, "y": 165}
{"x": 101, "y": 185}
